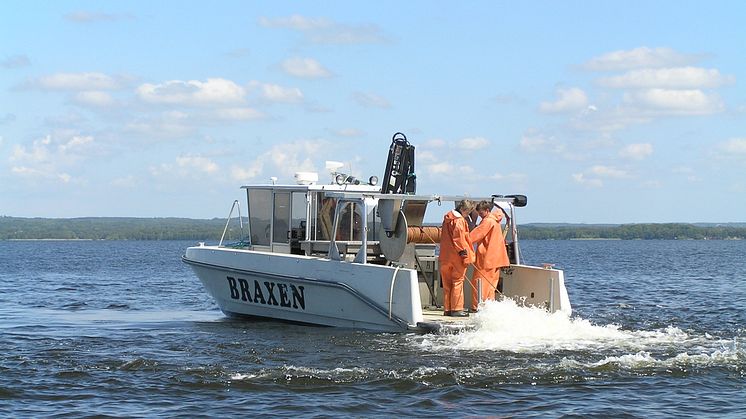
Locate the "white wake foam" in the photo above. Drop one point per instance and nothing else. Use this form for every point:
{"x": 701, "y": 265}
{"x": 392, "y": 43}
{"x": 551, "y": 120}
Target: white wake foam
{"x": 505, "y": 326}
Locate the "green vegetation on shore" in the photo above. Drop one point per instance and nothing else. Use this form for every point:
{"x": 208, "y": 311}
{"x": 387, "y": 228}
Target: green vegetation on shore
{"x": 126, "y": 228}
{"x": 668, "y": 231}
{"x": 110, "y": 228}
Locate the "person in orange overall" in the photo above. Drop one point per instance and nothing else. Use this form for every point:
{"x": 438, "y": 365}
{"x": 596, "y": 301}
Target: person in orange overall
{"x": 456, "y": 253}
{"x": 491, "y": 253}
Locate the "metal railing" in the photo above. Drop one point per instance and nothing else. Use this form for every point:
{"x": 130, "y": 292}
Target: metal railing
{"x": 240, "y": 221}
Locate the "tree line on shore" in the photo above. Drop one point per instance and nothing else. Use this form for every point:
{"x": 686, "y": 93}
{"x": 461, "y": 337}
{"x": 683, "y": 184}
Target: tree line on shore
{"x": 110, "y": 228}
{"x": 124, "y": 228}
{"x": 665, "y": 231}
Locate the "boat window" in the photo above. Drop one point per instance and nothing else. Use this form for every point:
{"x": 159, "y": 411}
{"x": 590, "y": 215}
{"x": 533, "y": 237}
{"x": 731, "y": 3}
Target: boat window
{"x": 260, "y": 208}
{"x": 325, "y": 216}
{"x": 350, "y": 223}
{"x": 281, "y": 227}
{"x": 298, "y": 215}
{"x": 373, "y": 223}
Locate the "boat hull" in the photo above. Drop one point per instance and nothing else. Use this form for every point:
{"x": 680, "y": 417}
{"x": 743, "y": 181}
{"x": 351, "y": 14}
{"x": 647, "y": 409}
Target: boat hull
{"x": 533, "y": 286}
{"x": 308, "y": 290}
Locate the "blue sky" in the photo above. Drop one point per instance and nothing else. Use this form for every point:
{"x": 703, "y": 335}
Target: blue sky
{"x": 600, "y": 112}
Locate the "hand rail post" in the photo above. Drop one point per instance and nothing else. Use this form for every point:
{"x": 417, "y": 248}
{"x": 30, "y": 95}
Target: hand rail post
{"x": 240, "y": 221}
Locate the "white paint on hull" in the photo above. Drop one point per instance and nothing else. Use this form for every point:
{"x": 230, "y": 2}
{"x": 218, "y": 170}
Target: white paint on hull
{"x": 335, "y": 293}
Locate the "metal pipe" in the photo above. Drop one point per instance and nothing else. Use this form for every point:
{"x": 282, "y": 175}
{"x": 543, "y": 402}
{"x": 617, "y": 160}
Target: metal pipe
{"x": 225, "y": 229}
{"x": 514, "y": 234}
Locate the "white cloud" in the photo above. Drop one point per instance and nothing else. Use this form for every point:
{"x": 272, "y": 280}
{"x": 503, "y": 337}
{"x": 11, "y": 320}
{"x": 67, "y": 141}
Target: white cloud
{"x": 348, "y": 35}
{"x": 600, "y": 142}
{"x": 734, "y": 146}
{"x": 674, "y": 102}
{"x": 424, "y": 156}
{"x": 370, "y": 100}
{"x": 76, "y": 142}
{"x": 441, "y": 168}
{"x": 435, "y": 143}
{"x": 198, "y": 163}
{"x": 642, "y": 57}
{"x": 514, "y": 179}
{"x": 473, "y": 143}
{"x": 687, "y": 173}
{"x": 327, "y": 31}
{"x": 283, "y": 160}
{"x": 246, "y": 174}
{"x": 636, "y": 151}
{"x": 173, "y": 124}
{"x": 568, "y": 100}
{"x": 15, "y": 61}
{"x": 280, "y": 94}
{"x": 682, "y": 170}
{"x": 581, "y": 179}
{"x": 305, "y": 68}
{"x": 79, "y": 81}
{"x": 295, "y": 156}
{"x": 188, "y": 166}
{"x": 296, "y": 22}
{"x": 82, "y": 16}
{"x": 94, "y": 98}
{"x": 50, "y": 150}
{"x": 126, "y": 182}
{"x": 672, "y": 78}
{"x": 608, "y": 172}
{"x": 593, "y": 176}
{"x": 214, "y": 91}
{"x": 49, "y": 157}
{"x": 535, "y": 142}
{"x": 35, "y": 174}
{"x": 652, "y": 184}
{"x": 238, "y": 114}
{"x": 348, "y": 132}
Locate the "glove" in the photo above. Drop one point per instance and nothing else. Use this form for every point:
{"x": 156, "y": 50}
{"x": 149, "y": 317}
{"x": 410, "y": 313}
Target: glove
{"x": 463, "y": 253}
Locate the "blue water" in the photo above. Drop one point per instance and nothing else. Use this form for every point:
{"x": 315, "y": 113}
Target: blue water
{"x": 125, "y": 329}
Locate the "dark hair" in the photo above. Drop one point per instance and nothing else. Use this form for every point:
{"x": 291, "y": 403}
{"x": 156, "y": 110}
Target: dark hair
{"x": 465, "y": 204}
{"x": 484, "y": 206}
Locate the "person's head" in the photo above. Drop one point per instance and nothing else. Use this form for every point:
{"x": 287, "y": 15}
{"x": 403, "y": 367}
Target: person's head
{"x": 484, "y": 208}
{"x": 465, "y": 207}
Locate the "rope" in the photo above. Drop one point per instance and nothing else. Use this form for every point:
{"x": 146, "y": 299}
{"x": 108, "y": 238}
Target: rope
{"x": 418, "y": 234}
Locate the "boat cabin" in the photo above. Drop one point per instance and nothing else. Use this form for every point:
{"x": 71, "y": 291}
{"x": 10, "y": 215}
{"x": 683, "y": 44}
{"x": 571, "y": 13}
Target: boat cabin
{"x": 300, "y": 219}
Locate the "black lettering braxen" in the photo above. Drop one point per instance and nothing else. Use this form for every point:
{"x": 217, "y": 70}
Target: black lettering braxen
{"x": 240, "y": 289}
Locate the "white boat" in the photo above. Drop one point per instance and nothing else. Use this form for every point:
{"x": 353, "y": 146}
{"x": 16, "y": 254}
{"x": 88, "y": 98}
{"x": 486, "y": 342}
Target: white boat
{"x": 345, "y": 254}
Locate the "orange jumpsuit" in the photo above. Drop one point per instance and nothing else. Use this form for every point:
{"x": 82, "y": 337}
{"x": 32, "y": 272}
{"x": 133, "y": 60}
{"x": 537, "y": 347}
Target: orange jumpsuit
{"x": 456, "y": 253}
{"x": 491, "y": 256}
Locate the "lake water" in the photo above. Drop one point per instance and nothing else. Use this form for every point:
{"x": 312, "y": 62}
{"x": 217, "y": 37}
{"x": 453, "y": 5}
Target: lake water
{"x": 124, "y": 328}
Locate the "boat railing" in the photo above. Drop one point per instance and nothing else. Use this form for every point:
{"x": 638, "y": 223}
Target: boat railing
{"x": 346, "y": 248}
{"x": 227, "y": 222}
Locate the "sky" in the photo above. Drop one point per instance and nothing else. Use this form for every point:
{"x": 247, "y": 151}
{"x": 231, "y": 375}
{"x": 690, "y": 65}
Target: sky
{"x": 599, "y": 112}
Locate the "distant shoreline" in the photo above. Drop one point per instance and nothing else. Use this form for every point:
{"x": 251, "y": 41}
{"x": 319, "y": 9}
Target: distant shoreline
{"x": 131, "y": 228}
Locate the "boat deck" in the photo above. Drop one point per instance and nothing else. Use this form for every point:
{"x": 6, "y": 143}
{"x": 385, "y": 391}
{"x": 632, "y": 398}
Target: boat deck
{"x": 433, "y": 321}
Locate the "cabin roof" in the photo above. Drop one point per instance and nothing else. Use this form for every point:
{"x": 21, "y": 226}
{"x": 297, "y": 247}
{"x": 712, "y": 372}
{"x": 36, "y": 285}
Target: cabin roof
{"x": 357, "y": 191}
{"x": 316, "y": 187}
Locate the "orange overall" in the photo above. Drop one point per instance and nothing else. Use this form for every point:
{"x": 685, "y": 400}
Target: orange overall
{"x": 456, "y": 253}
{"x": 491, "y": 256}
